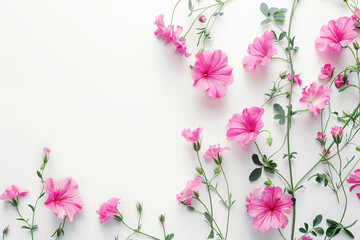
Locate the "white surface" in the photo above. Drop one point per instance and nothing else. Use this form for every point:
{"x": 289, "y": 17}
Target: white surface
{"x": 90, "y": 80}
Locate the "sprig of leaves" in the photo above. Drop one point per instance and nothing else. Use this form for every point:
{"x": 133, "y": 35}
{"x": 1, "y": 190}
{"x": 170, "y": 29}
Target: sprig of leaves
{"x": 272, "y": 14}
{"x": 269, "y": 166}
{"x": 315, "y": 230}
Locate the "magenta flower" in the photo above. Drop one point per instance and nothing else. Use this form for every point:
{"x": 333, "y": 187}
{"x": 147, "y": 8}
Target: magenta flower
{"x": 341, "y": 80}
{"x": 327, "y": 72}
{"x": 261, "y": 51}
{"x": 108, "y": 209}
{"x": 245, "y": 127}
{"x": 296, "y": 78}
{"x": 316, "y": 97}
{"x": 212, "y": 73}
{"x": 270, "y": 209}
{"x": 337, "y": 133}
{"x": 306, "y": 238}
{"x": 13, "y": 193}
{"x": 170, "y": 35}
{"x": 188, "y": 193}
{"x": 336, "y": 34}
{"x": 213, "y": 151}
{"x": 202, "y": 18}
{"x": 321, "y": 136}
{"x": 356, "y": 17}
{"x": 192, "y": 136}
{"x": 64, "y": 199}
{"x": 354, "y": 179}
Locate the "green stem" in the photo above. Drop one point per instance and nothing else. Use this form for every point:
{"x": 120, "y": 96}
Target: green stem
{"x": 139, "y": 232}
{"x": 282, "y": 235}
{"x": 35, "y": 205}
{"x": 172, "y": 15}
{"x": 283, "y": 59}
{"x": 163, "y": 227}
{"x": 228, "y": 203}
{"x": 213, "y": 220}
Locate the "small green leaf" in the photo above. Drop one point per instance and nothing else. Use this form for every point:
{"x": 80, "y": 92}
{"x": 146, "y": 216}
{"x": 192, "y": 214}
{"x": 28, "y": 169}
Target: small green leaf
{"x": 282, "y": 35}
{"x": 255, "y": 175}
{"x": 39, "y": 174}
{"x": 349, "y": 233}
{"x": 269, "y": 170}
{"x": 319, "y": 230}
{"x": 302, "y": 230}
{"x": 256, "y": 160}
{"x": 264, "y": 9}
{"x": 280, "y": 113}
{"x": 266, "y": 21}
{"x": 208, "y": 218}
{"x": 32, "y": 207}
{"x": 169, "y": 236}
{"x": 317, "y": 220}
{"x": 211, "y": 234}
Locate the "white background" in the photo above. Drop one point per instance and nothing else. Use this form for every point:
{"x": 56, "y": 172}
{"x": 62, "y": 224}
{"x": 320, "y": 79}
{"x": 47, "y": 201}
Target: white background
{"x": 90, "y": 80}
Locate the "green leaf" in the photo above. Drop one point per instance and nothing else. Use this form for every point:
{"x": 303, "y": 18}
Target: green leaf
{"x": 264, "y": 9}
{"x": 332, "y": 231}
{"x": 317, "y": 220}
{"x": 211, "y": 234}
{"x": 255, "y": 175}
{"x": 208, "y": 218}
{"x": 282, "y": 35}
{"x": 319, "y": 230}
{"x": 191, "y": 6}
{"x": 266, "y": 21}
{"x": 169, "y": 236}
{"x": 349, "y": 233}
{"x": 269, "y": 170}
{"x": 280, "y": 113}
{"x": 302, "y": 230}
{"x": 306, "y": 226}
{"x": 32, "y": 207}
{"x": 39, "y": 174}
{"x": 256, "y": 160}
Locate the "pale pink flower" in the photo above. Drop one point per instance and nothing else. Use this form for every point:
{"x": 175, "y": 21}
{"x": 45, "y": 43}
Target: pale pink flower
{"x": 296, "y": 78}
{"x": 108, "y": 209}
{"x": 270, "y": 209}
{"x": 46, "y": 151}
{"x": 320, "y": 136}
{"x": 336, "y": 34}
{"x": 212, "y": 73}
{"x": 339, "y": 82}
{"x": 337, "y": 133}
{"x": 316, "y": 97}
{"x": 213, "y": 151}
{"x": 188, "y": 193}
{"x": 245, "y": 127}
{"x": 261, "y": 51}
{"x": 202, "y": 18}
{"x": 64, "y": 199}
{"x": 354, "y": 179}
{"x": 192, "y": 136}
{"x": 307, "y": 238}
{"x": 356, "y": 17}
{"x": 252, "y": 196}
{"x": 327, "y": 72}
{"x": 13, "y": 192}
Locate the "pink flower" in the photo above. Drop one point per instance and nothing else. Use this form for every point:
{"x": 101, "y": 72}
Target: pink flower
{"x": 261, "y": 51}
{"x": 188, "y": 192}
{"x": 357, "y": 17}
{"x": 270, "y": 209}
{"x": 327, "y": 72}
{"x": 213, "y": 151}
{"x": 64, "y": 199}
{"x": 13, "y": 192}
{"x": 170, "y": 35}
{"x": 162, "y": 32}
{"x": 108, "y": 209}
{"x": 202, "y": 18}
{"x": 316, "y": 97}
{"x": 355, "y": 179}
{"x": 326, "y": 153}
{"x": 339, "y": 81}
{"x": 321, "y": 136}
{"x": 306, "y": 238}
{"x": 212, "y": 73}
{"x": 296, "y": 78}
{"x": 191, "y": 136}
{"x": 336, "y": 34}
{"x": 337, "y": 133}
{"x": 46, "y": 151}
{"x": 245, "y": 127}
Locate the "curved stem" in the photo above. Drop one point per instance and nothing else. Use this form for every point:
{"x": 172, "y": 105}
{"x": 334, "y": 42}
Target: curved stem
{"x": 207, "y": 210}
{"x": 173, "y": 12}
{"x": 139, "y": 232}
{"x": 228, "y": 203}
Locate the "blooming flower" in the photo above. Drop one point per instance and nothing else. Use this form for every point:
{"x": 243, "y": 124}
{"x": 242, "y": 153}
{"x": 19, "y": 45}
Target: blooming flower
{"x": 191, "y": 136}
{"x": 355, "y": 179}
{"x": 296, "y": 78}
{"x": 327, "y": 72}
{"x": 336, "y": 34}
{"x": 316, "y": 97}
{"x": 64, "y": 199}
{"x": 170, "y": 35}
{"x": 261, "y": 51}
{"x": 213, "y": 151}
{"x": 13, "y": 192}
{"x": 212, "y": 73}
{"x": 108, "y": 209}
{"x": 337, "y": 132}
{"x": 341, "y": 80}
{"x": 270, "y": 209}
{"x": 46, "y": 151}
{"x": 245, "y": 127}
{"x": 188, "y": 192}
{"x": 202, "y": 18}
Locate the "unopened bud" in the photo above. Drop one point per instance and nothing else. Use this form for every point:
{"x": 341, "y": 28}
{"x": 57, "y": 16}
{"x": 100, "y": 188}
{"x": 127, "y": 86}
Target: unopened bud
{"x": 6, "y": 229}
{"x": 162, "y": 218}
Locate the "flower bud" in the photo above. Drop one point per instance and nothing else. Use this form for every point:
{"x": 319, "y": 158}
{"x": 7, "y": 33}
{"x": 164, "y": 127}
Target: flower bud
{"x": 199, "y": 170}
{"x": 268, "y": 183}
{"x": 337, "y": 133}
{"x": 202, "y": 18}
{"x": 162, "y": 218}
{"x": 6, "y": 229}
{"x": 196, "y": 146}
{"x": 269, "y": 141}
{"x": 357, "y": 148}
{"x": 321, "y": 138}
{"x": 344, "y": 78}
{"x": 282, "y": 75}
{"x": 139, "y": 207}
{"x": 356, "y": 45}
